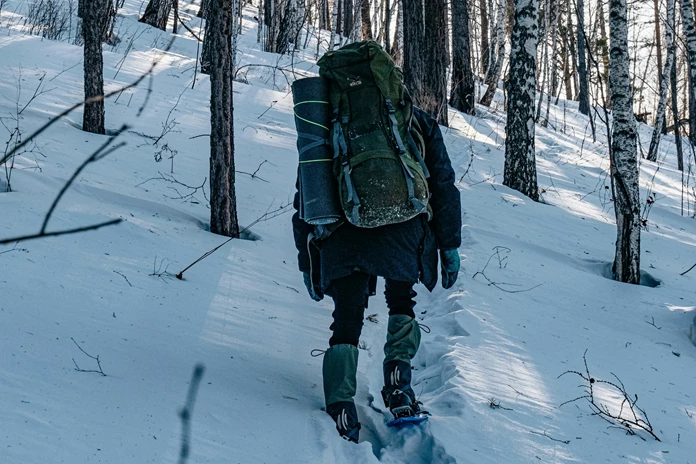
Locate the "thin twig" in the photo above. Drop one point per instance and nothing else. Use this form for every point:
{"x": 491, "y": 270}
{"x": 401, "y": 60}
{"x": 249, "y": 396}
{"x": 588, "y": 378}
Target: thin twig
{"x": 186, "y": 413}
{"x": 687, "y": 271}
{"x": 122, "y": 275}
{"x": 544, "y": 434}
{"x": 96, "y": 358}
{"x": 24, "y": 238}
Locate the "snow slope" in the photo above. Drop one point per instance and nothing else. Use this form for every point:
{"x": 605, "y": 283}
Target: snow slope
{"x": 531, "y": 299}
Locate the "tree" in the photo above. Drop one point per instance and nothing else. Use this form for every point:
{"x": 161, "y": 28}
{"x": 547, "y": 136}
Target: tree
{"x": 94, "y": 21}
{"x": 623, "y": 151}
{"x": 366, "y": 23}
{"x": 485, "y": 47}
{"x": 520, "y": 162}
{"x": 664, "y": 83}
{"x": 426, "y": 56}
{"x": 223, "y": 202}
{"x": 157, "y": 13}
{"x": 462, "y": 96}
{"x": 584, "y": 89}
{"x": 496, "y": 68}
{"x": 203, "y": 9}
{"x": 690, "y": 32}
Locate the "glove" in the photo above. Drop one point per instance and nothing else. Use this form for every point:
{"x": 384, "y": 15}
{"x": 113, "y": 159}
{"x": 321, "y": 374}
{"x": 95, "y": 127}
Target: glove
{"x": 314, "y": 290}
{"x": 449, "y": 263}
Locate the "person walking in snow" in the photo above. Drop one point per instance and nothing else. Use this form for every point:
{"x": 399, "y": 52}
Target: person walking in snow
{"x": 343, "y": 261}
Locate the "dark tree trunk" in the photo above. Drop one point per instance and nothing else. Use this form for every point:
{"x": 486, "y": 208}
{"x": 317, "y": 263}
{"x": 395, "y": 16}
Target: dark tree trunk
{"x": 690, "y": 33}
{"x": 203, "y": 10}
{"x": 485, "y": 46}
{"x": 206, "y": 51}
{"x": 387, "y": 28}
{"x": 664, "y": 87}
{"x": 366, "y": 20}
{"x": 157, "y": 13}
{"x": 675, "y": 111}
{"x": 414, "y": 62}
{"x": 462, "y": 97}
{"x": 624, "y": 151}
{"x": 584, "y": 91}
{"x": 93, "y": 26}
{"x": 348, "y": 20}
{"x": 520, "y": 160}
{"x": 223, "y": 203}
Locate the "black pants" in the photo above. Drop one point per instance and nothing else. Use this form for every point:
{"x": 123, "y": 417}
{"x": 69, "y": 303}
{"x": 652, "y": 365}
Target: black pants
{"x": 350, "y": 296}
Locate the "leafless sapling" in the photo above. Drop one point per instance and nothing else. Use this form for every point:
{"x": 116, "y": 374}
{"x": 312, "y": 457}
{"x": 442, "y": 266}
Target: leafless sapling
{"x": 629, "y": 417}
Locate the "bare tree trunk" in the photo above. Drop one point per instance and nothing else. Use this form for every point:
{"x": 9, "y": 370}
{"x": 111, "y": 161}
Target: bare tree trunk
{"x": 334, "y": 24}
{"x": 624, "y": 154}
{"x": 425, "y": 56}
{"x": 206, "y": 52}
{"x": 584, "y": 90}
{"x": 398, "y": 48}
{"x": 93, "y": 26}
{"x": 553, "y": 78}
{"x": 203, "y": 9}
{"x": 366, "y": 22}
{"x": 675, "y": 109}
{"x": 690, "y": 32}
{"x": 223, "y": 203}
{"x": 462, "y": 96}
{"x": 573, "y": 51}
{"x": 664, "y": 82}
{"x": 496, "y": 69}
{"x": 485, "y": 46}
{"x": 658, "y": 40}
{"x": 603, "y": 44}
{"x": 387, "y": 28}
{"x": 520, "y": 160}
{"x": 157, "y": 13}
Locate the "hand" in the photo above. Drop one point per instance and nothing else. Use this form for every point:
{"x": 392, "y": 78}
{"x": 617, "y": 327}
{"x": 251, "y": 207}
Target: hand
{"x": 449, "y": 263}
{"x": 314, "y": 290}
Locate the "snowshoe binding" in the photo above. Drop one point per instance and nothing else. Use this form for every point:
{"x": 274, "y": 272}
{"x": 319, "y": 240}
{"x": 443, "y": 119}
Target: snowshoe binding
{"x": 398, "y": 395}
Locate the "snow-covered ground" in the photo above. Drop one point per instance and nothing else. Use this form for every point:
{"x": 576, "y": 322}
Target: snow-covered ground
{"x": 531, "y": 299}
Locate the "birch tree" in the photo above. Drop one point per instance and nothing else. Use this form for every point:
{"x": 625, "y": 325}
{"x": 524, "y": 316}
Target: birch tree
{"x": 690, "y": 32}
{"x": 664, "y": 82}
{"x": 94, "y": 21}
{"x": 462, "y": 96}
{"x": 223, "y": 202}
{"x": 157, "y": 13}
{"x": 520, "y": 162}
{"x": 624, "y": 154}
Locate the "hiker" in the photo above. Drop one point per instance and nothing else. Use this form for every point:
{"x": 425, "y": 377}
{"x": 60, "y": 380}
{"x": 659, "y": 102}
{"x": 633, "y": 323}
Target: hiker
{"x": 343, "y": 260}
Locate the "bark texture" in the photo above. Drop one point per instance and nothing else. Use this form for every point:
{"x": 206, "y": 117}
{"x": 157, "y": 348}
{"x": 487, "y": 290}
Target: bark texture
{"x": 157, "y": 13}
{"x": 664, "y": 83}
{"x": 366, "y": 22}
{"x": 496, "y": 67}
{"x": 520, "y": 161}
{"x": 462, "y": 97}
{"x": 223, "y": 203}
{"x": 624, "y": 153}
{"x": 690, "y": 32}
{"x": 426, "y": 56}
{"x": 584, "y": 89}
{"x": 94, "y": 21}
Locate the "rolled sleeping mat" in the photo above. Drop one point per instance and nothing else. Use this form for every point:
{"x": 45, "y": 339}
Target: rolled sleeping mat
{"x": 318, "y": 184}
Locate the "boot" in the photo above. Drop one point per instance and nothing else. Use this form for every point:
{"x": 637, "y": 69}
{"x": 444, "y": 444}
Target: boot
{"x": 403, "y": 340}
{"x": 339, "y": 371}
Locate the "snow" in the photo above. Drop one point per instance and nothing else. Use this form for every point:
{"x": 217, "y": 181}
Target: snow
{"x": 532, "y": 296}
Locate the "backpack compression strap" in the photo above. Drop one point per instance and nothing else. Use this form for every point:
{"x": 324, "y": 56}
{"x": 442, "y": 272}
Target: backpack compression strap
{"x": 402, "y": 156}
{"x": 341, "y": 151}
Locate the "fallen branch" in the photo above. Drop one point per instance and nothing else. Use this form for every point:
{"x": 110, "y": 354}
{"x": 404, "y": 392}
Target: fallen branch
{"x": 268, "y": 215}
{"x": 544, "y": 434}
{"x": 96, "y": 358}
{"x": 687, "y": 271}
{"x": 186, "y": 413}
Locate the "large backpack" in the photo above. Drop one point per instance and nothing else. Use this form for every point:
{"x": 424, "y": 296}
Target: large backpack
{"x": 378, "y": 148}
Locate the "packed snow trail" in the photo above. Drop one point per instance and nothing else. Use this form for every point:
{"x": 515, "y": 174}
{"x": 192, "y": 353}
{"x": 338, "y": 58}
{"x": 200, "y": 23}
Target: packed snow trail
{"x": 531, "y": 298}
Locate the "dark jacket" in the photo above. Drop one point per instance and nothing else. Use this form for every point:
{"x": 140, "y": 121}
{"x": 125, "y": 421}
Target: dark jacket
{"x": 406, "y": 251}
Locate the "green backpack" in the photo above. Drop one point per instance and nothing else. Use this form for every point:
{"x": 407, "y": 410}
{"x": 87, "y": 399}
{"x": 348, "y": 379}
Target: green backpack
{"x": 378, "y": 147}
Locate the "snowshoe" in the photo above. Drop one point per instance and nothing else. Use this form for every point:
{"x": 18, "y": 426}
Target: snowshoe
{"x": 346, "y": 417}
